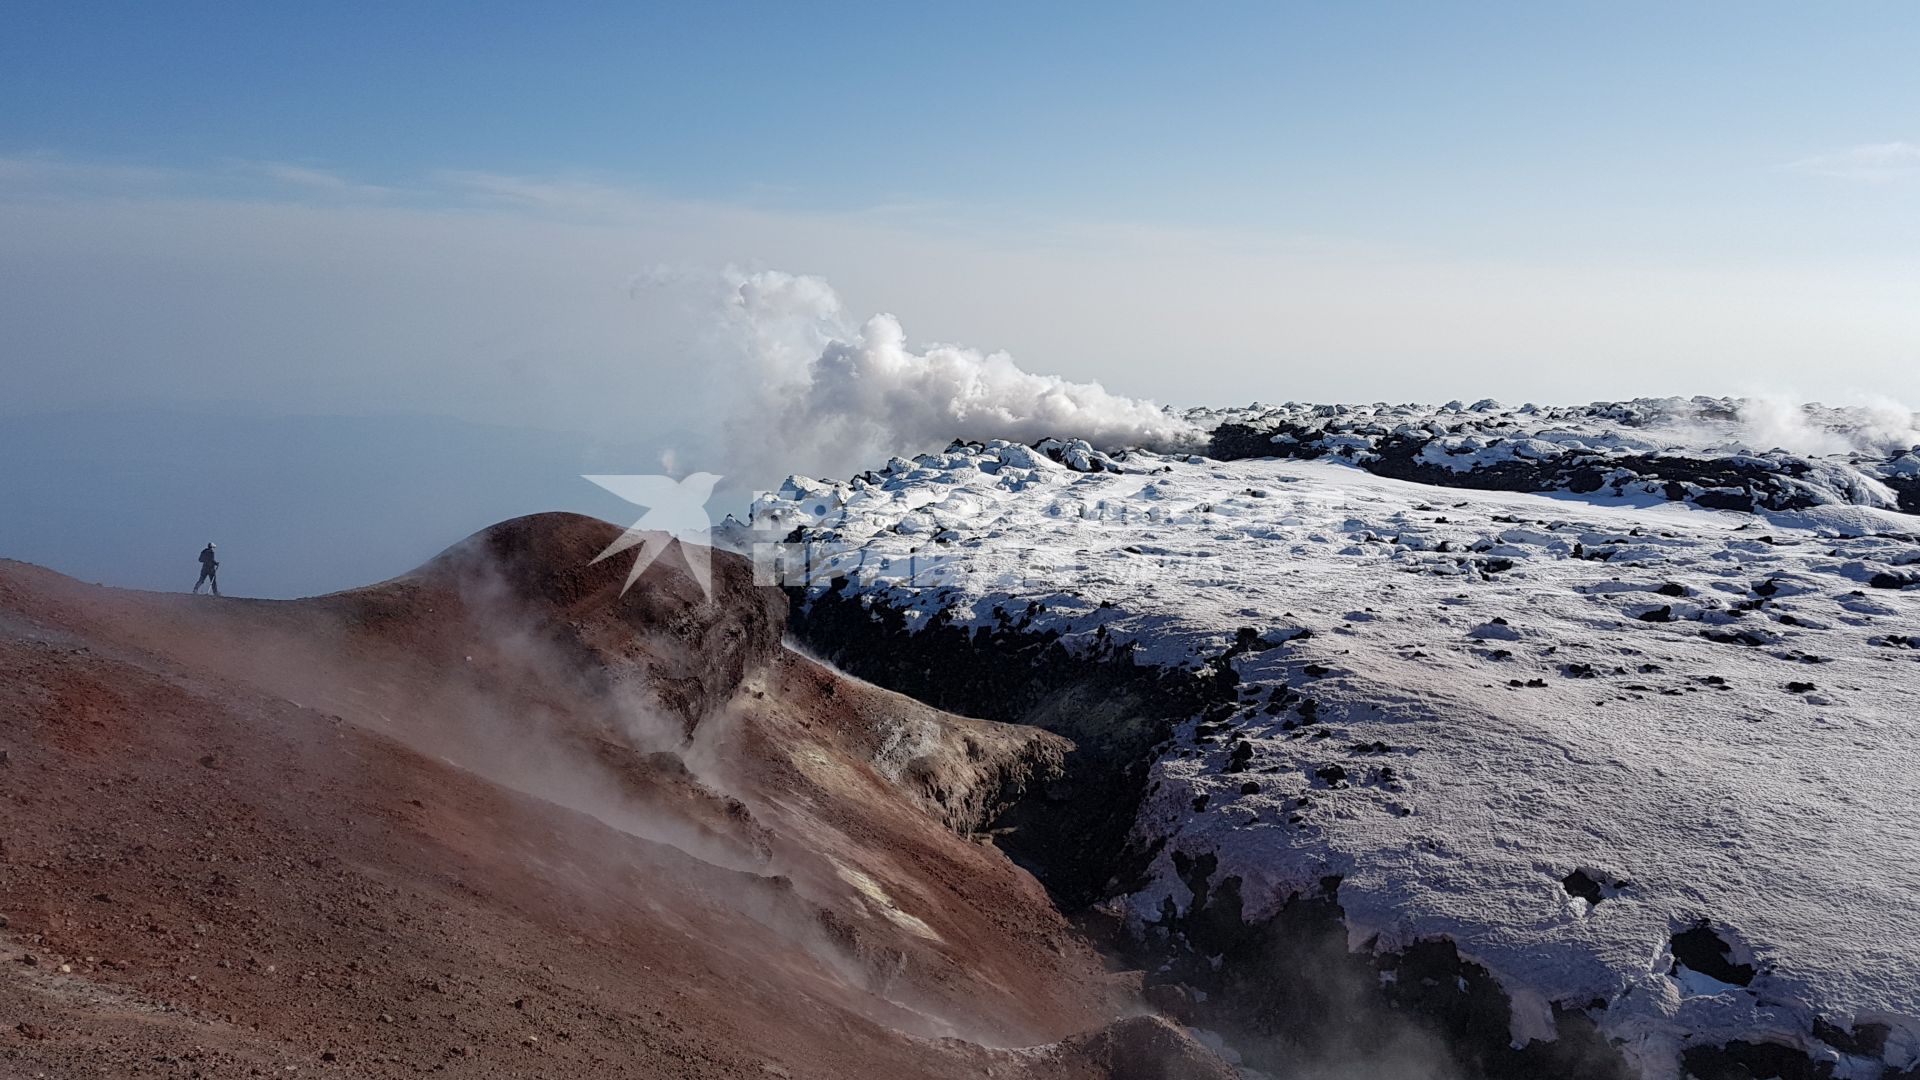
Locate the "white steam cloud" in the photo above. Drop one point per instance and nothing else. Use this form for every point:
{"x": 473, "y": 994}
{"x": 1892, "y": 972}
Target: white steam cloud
{"x": 1881, "y": 426}
{"x": 831, "y": 396}
{"x": 809, "y": 388}
{"x": 1878, "y": 426}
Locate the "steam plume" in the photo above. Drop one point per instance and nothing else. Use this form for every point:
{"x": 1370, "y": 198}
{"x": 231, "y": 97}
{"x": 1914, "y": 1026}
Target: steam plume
{"x": 833, "y": 395}
{"x": 1882, "y": 426}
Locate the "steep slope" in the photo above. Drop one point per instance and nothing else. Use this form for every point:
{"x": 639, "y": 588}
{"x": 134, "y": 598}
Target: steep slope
{"x": 1585, "y": 785}
{"x": 497, "y": 817}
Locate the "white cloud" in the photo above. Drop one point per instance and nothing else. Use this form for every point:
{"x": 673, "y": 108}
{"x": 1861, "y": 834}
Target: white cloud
{"x": 1873, "y": 162}
{"x": 319, "y": 181}
{"x": 55, "y": 176}
{"x": 45, "y": 173}
{"x": 567, "y": 197}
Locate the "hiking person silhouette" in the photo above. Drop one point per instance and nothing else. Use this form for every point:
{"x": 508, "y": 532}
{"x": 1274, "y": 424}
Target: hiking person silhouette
{"x": 209, "y": 570}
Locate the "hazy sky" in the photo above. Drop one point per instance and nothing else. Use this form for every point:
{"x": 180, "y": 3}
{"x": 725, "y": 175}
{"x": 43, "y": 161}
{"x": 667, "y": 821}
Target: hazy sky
{"x": 445, "y": 207}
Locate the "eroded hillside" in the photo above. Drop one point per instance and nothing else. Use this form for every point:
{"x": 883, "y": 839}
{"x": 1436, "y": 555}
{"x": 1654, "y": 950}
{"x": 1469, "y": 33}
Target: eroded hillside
{"x": 497, "y": 818}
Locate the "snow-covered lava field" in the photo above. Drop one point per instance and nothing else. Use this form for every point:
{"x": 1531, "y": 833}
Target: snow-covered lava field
{"x": 1611, "y": 708}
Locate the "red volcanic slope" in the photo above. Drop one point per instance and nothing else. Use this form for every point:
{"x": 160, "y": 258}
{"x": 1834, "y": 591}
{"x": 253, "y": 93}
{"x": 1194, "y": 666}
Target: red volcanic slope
{"x": 498, "y": 819}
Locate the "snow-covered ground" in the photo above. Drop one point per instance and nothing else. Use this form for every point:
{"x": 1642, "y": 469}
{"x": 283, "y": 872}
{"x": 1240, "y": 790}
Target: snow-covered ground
{"x": 1728, "y": 453}
{"x": 1573, "y": 734}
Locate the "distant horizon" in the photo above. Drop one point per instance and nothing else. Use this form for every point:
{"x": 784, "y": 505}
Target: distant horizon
{"x": 310, "y": 504}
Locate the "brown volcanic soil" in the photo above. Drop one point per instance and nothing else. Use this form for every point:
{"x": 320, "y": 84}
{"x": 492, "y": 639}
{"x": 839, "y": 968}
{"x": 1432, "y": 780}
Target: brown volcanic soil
{"x": 496, "y": 819}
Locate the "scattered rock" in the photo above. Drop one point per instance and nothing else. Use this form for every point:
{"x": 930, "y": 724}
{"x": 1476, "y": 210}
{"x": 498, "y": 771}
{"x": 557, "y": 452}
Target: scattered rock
{"x": 1581, "y": 884}
{"x": 1867, "y": 1040}
{"x": 1242, "y": 755}
{"x": 1700, "y": 949}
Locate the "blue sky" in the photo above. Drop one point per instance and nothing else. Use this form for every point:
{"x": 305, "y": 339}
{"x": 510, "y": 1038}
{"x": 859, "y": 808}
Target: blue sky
{"x": 1489, "y": 127}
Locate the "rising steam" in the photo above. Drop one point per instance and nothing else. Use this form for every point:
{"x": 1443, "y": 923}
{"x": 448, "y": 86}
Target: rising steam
{"x": 1880, "y": 426}
{"x": 832, "y": 396}
{"x": 810, "y": 388}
